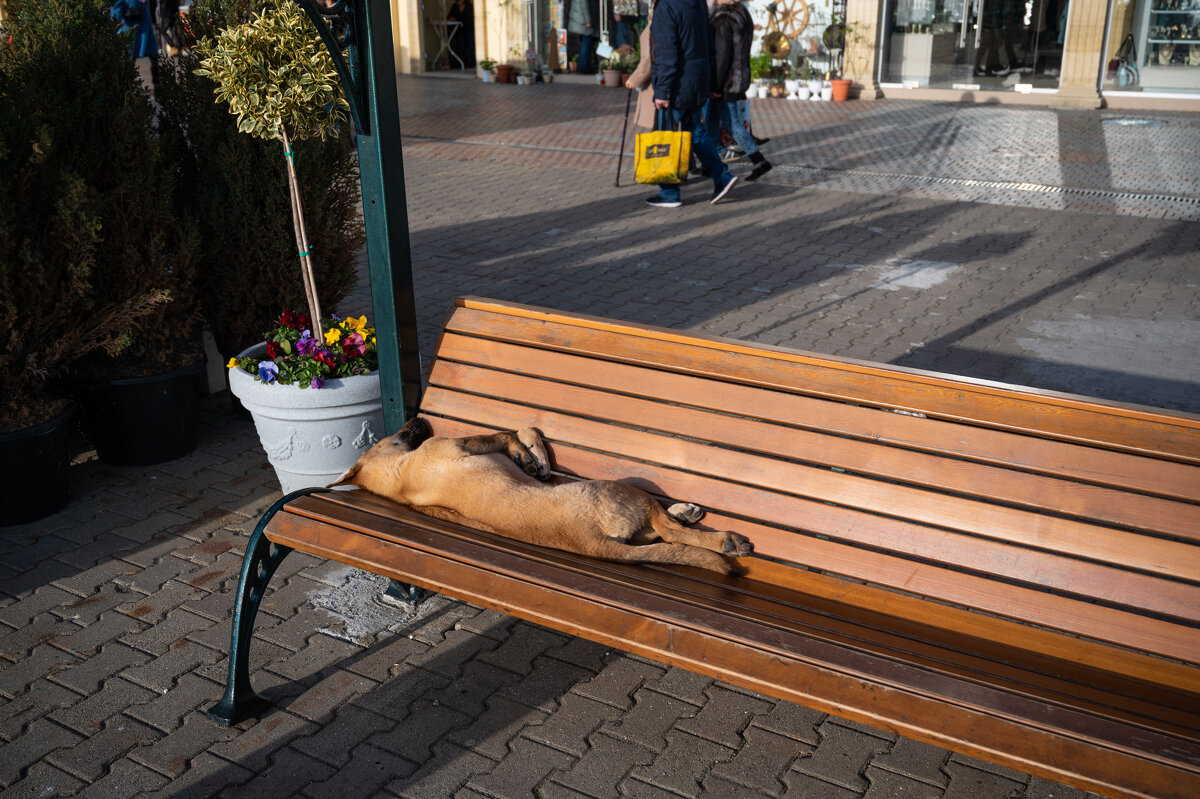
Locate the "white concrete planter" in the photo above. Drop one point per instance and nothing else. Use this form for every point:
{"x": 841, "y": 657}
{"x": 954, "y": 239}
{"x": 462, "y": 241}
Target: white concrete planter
{"x": 311, "y": 435}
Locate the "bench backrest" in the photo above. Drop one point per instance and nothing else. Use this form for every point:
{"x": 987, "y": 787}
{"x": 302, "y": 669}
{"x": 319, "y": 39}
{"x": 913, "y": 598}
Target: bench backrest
{"x": 1068, "y": 514}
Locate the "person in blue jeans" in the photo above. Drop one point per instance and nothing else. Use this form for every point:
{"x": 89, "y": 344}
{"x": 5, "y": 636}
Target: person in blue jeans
{"x": 680, "y": 75}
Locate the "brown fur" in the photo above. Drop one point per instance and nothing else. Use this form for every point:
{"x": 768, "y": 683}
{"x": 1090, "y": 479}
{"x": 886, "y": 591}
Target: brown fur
{"x": 496, "y": 483}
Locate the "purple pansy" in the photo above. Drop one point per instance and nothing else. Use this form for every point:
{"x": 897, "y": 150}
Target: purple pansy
{"x": 317, "y": 383}
{"x": 306, "y": 344}
{"x": 267, "y": 371}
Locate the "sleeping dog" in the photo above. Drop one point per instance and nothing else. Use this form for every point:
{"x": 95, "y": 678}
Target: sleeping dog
{"x": 497, "y": 483}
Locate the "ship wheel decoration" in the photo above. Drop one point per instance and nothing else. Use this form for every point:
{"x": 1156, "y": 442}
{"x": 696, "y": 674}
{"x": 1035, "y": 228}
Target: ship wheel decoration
{"x": 789, "y": 17}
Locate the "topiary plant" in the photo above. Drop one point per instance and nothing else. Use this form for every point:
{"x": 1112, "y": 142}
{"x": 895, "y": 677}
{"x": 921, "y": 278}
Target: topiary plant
{"x": 233, "y": 191}
{"x": 281, "y": 83}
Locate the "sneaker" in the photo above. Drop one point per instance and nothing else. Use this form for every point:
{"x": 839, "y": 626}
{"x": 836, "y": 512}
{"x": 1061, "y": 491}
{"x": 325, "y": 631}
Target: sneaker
{"x": 658, "y": 201}
{"x": 731, "y": 155}
{"x": 720, "y": 192}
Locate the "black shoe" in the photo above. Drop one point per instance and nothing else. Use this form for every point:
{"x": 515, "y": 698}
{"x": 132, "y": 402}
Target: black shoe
{"x": 761, "y": 166}
{"x": 760, "y": 142}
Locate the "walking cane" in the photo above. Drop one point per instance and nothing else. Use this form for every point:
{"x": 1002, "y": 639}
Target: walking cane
{"x": 624, "y": 127}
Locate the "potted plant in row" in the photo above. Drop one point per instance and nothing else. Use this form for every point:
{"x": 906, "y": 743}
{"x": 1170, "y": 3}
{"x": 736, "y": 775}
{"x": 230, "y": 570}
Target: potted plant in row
{"x": 485, "y": 70}
{"x": 312, "y": 386}
{"x": 96, "y": 273}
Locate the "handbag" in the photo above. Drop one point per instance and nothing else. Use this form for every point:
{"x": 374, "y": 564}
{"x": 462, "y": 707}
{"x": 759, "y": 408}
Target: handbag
{"x": 662, "y": 156}
{"x": 1127, "y": 71}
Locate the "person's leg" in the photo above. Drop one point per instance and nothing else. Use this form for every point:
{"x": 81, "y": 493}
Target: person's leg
{"x": 668, "y": 196}
{"x": 740, "y": 125}
{"x": 585, "y": 54}
{"x": 706, "y": 150}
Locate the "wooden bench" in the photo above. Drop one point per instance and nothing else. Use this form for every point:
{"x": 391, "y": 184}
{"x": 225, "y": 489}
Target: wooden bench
{"x": 1008, "y": 573}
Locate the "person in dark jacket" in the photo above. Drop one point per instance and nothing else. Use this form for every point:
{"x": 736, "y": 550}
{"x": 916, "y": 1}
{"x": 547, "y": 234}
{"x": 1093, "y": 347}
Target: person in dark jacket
{"x": 733, "y": 32}
{"x": 680, "y": 73}
{"x": 583, "y": 17}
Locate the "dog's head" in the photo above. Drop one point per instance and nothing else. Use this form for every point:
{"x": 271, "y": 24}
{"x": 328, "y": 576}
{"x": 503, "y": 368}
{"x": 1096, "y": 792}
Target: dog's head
{"x": 379, "y": 469}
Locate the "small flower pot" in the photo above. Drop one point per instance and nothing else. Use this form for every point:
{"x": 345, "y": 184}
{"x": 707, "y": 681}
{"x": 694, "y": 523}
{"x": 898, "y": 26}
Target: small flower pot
{"x": 487, "y": 75}
{"x": 840, "y": 90}
{"x": 802, "y": 92}
{"x": 504, "y": 73}
{"x": 311, "y": 435}
{"x": 827, "y": 93}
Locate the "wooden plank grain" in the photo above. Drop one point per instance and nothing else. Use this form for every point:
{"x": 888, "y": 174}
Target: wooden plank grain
{"x": 1051, "y": 414}
{"x": 780, "y": 439}
{"x": 1045, "y": 456}
{"x": 831, "y": 678}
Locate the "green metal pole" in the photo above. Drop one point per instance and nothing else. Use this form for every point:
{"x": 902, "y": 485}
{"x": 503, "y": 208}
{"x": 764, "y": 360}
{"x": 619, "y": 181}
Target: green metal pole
{"x": 385, "y": 212}
{"x": 364, "y": 27}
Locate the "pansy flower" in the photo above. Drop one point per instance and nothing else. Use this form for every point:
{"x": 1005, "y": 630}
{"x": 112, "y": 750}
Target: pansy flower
{"x": 306, "y": 344}
{"x": 354, "y": 346}
{"x": 267, "y": 371}
{"x": 332, "y": 336}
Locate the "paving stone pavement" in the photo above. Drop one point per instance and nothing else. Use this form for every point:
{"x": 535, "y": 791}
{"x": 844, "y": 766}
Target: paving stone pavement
{"x": 115, "y": 613}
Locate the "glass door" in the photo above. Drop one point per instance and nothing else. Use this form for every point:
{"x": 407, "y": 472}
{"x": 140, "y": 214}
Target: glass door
{"x": 976, "y": 44}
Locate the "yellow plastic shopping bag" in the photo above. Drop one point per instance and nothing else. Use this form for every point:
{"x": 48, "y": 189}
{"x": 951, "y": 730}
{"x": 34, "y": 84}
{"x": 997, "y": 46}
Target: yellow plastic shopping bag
{"x": 662, "y": 156}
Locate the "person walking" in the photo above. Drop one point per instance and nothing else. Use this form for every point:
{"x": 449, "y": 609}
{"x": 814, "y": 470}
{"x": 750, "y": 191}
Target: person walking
{"x": 680, "y": 73}
{"x": 582, "y": 19}
{"x": 733, "y": 32}
{"x": 137, "y": 16}
{"x": 639, "y": 79}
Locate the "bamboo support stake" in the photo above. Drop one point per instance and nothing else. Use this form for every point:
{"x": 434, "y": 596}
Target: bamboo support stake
{"x": 306, "y": 270}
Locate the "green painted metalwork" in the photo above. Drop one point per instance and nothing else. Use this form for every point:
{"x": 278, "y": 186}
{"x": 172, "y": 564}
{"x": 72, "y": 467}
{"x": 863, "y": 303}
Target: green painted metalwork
{"x": 260, "y": 562}
{"x": 364, "y": 28}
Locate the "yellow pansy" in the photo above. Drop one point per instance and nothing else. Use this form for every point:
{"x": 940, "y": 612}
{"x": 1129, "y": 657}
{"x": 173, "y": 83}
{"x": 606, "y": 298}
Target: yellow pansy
{"x": 332, "y": 336}
{"x": 232, "y": 363}
{"x": 350, "y": 323}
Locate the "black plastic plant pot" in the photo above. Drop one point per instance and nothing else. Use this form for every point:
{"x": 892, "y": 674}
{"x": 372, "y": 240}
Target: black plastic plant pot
{"x": 34, "y": 470}
{"x": 141, "y": 421}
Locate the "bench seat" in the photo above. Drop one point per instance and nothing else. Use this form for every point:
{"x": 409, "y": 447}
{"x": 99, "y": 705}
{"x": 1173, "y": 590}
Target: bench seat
{"x": 1008, "y": 573}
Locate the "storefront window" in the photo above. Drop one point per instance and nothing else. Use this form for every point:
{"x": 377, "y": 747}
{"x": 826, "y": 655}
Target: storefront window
{"x": 976, "y": 44}
{"x": 1154, "y": 46}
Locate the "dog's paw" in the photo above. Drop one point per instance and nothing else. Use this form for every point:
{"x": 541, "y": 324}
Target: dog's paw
{"x": 686, "y": 512}
{"x": 736, "y": 545}
{"x": 534, "y": 460}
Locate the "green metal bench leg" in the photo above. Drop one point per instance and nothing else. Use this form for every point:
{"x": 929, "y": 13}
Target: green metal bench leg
{"x": 404, "y": 593}
{"x": 260, "y": 562}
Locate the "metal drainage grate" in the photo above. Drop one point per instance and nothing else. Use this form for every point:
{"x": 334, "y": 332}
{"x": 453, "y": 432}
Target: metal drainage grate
{"x": 1131, "y": 122}
{"x": 1003, "y": 185}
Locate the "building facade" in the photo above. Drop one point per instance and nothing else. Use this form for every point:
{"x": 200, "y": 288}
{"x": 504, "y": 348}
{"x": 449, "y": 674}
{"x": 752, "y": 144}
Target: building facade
{"x": 1083, "y": 53}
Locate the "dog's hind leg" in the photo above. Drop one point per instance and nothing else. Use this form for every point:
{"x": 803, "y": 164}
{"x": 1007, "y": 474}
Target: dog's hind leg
{"x": 665, "y": 526}
{"x": 682, "y": 554}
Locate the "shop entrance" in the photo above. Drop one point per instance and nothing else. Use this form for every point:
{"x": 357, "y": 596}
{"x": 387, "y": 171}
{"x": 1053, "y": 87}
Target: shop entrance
{"x": 976, "y": 44}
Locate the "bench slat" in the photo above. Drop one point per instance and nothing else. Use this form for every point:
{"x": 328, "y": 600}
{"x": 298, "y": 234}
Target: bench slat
{"x": 796, "y": 607}
{"x": 840, "y": 679}
{"x": 1076, "y": 462}
{"x": 926, "y": 469}
{"x": 1042, "y": 413}
{"x": 1165, "y": 557}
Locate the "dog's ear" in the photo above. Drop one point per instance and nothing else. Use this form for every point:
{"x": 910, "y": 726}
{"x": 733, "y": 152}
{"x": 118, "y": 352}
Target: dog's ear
{"x": 416, "y": 431}
{"x": 348, "y": 476}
